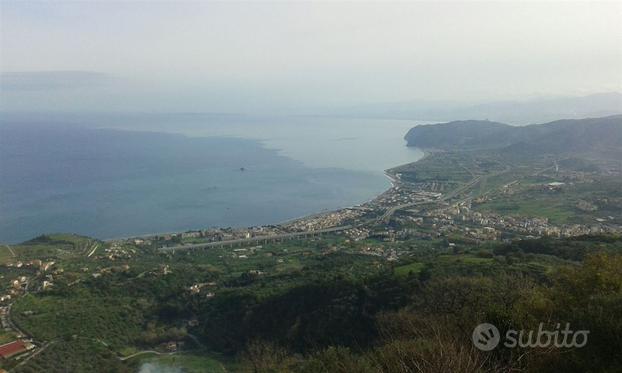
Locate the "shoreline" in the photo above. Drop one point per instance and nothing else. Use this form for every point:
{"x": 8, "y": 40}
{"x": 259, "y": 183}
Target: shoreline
{"x": 387, "y": 173}
{"x": 318, "y": 214}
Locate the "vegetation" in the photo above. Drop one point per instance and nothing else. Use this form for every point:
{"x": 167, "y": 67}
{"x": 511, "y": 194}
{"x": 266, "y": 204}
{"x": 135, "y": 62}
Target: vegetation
{"x": 337, "y": 312}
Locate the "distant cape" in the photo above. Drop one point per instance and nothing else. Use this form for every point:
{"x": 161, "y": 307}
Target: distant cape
{"x": 591, "y": 135}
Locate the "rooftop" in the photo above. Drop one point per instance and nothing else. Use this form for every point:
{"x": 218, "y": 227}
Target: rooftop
{"x": 12, "y": 348}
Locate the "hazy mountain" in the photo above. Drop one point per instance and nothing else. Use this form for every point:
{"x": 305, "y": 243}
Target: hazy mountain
{"x": 592, "y": 135}
{"x": 511, "y": 112}
{"x": 544, "y": 110}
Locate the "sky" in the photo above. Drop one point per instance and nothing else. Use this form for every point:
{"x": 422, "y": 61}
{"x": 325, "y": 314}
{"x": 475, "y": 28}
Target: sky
{"x": 293, "y": 55}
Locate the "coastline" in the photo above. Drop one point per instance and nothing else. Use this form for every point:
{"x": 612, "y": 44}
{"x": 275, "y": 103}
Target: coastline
{"x": 393, "y": 181}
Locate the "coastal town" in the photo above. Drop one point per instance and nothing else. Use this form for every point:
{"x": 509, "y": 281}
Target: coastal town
{"x": 406, "y": 206}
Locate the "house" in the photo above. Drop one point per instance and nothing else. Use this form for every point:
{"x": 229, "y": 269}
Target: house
{"x": 193, "y": 322}
{"x": 11, "y": 349}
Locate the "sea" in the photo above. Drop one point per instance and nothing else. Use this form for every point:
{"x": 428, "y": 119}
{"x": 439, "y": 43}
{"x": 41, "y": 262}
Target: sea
{"x": 108, "y": 175}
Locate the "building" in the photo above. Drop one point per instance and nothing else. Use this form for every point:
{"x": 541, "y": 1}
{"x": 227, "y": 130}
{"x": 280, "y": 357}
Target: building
{"x": 11, "y": 349}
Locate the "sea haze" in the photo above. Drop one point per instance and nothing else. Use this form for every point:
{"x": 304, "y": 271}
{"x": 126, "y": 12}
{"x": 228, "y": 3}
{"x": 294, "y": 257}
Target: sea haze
{"x": 119, "y": 176}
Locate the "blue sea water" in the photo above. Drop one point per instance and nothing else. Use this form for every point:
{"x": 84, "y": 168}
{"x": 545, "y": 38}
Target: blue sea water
{"x": 110, "y": 176}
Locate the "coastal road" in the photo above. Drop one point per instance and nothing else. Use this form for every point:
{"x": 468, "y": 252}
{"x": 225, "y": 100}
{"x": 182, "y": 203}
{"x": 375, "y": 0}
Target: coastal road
{"x": 241, "y": 241}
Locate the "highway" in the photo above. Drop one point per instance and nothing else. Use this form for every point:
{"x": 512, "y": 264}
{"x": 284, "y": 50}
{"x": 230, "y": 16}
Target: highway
{"x": 387, "y": 214}
{"x": 242, "y": 241}
{"x": 385, "y": 217}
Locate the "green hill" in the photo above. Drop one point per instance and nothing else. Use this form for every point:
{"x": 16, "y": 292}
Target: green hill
{"x": 600, "y": 136}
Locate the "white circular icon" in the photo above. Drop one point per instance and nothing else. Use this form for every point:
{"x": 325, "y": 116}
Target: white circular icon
{"x": 486, "y": 337}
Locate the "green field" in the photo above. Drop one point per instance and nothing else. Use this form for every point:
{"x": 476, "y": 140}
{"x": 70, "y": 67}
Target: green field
{"x": 115, "y": 321}
{"x": 407, "y": 269}
{"x": 5, "y": 254}
{"x": 188, "y": 363}
{"x": 558, "y": 212}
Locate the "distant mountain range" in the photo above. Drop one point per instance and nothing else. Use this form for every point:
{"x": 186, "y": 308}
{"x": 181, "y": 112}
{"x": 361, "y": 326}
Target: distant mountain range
{"x": 593, "y": 135}
{"x": 511, "y": 112}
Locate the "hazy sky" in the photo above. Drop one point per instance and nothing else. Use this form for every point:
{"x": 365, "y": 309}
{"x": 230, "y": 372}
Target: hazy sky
{"x": 236, "y": 56}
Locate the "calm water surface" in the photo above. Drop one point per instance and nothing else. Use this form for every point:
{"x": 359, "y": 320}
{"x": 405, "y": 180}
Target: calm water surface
{"x": 120, "y": 175}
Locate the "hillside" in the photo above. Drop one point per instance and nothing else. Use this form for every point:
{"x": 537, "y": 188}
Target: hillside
{"x": 592, "y": 135}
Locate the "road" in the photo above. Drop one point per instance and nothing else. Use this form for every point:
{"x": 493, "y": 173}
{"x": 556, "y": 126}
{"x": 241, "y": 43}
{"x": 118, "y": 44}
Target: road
{"x": 20, "y": 333}
{"x": 387, "y": 214}
{"x": 11, "y": 250}
{"x": 95, "y": 246}
{"x": 37, "y": 352}
{"x": 253, "y": 239}
{"x": 385, "y": 217}
{"x": 145, "y": 352}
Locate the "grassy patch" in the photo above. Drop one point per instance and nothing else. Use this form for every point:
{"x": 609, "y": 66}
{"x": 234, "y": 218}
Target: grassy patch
{"x": 74, "y": 355}
{"x": 112, "y": 320}
{"x": 467, "y": 259}
{"x": 189, "y": 363}
{"x": 554, "y": 210}
{"x": 6, "y": 337}
{"x": 405, "y": 270}
{"x": 5, "y": 254}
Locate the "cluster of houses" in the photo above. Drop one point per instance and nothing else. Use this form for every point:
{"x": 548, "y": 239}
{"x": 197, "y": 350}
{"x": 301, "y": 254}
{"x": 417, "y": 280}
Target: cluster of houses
{"x": 400, "y": 195}
{"x": 390, "y": 254}
{"x": 198, "y": 288}
{"x": 16, "y": 287}
{"x": 117, "y": 250}
{"x": 489, "y": 226}
{"x": 357, "y": 233}
{"x": 36, "y": 264}
{"x": 327, "y": 220}
{"x": 245, "y": 252}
